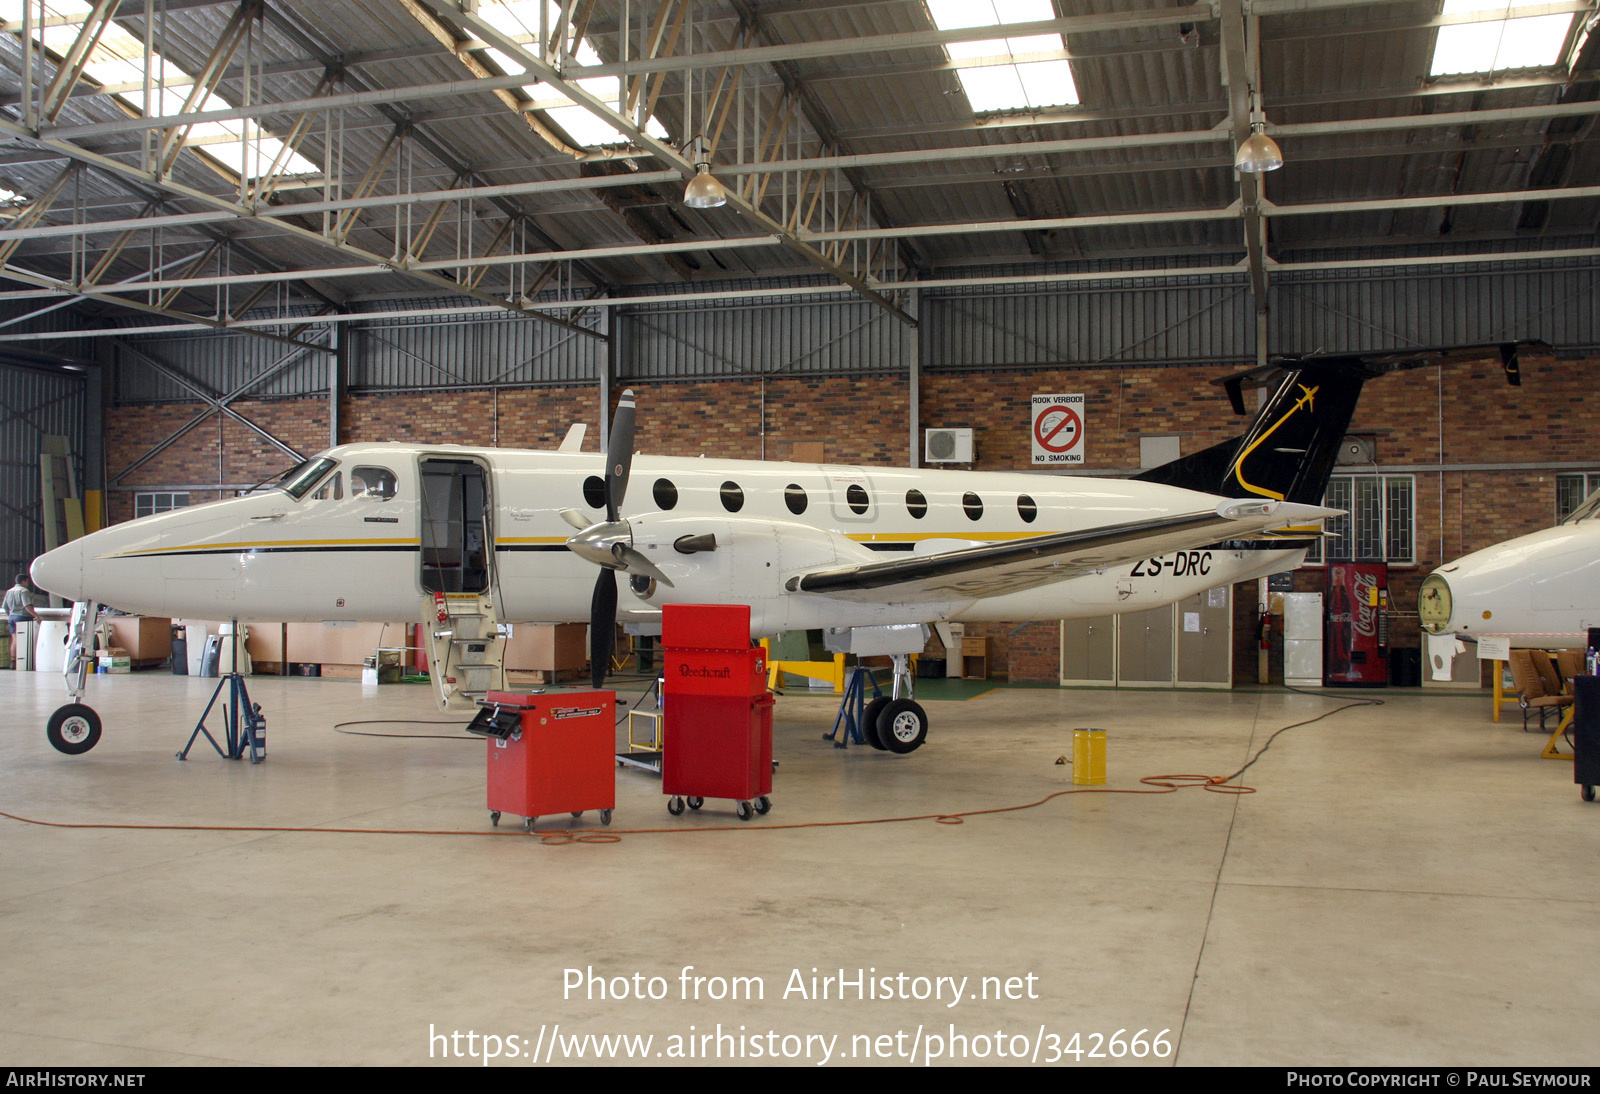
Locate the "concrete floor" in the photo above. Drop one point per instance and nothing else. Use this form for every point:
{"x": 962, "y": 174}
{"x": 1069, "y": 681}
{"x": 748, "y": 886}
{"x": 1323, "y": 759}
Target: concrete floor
{"x": 1411, "y": 884}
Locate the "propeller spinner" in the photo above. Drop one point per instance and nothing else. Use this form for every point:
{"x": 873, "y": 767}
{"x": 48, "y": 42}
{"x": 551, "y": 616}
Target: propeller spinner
{"x": 609, "y": 544}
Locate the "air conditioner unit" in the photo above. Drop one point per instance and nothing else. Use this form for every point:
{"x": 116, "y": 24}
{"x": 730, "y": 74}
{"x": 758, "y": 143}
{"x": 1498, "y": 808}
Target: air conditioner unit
{"x": 1357, "y": 449}
{"x": 947, "y": 446}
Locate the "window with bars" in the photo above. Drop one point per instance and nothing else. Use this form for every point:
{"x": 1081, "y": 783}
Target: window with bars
{"x": 1379, "y": 524}
{"x": 1572, "y": 489}
{"x": 145, "y": 505}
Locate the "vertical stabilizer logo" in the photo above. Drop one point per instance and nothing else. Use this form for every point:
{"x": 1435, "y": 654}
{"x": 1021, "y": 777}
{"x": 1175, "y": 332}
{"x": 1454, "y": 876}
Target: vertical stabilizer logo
{"x": 1307, "y": 398}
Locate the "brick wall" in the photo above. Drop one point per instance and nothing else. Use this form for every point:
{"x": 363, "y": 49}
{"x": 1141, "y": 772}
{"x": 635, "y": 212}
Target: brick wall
{"x": 1462, "y": 414}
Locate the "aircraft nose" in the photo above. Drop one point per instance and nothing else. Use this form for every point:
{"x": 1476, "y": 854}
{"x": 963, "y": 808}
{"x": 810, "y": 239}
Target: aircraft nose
{"x": 61, "y": 571}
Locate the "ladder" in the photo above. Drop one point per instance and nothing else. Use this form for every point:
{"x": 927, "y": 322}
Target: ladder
{"x": 466, "y": 652}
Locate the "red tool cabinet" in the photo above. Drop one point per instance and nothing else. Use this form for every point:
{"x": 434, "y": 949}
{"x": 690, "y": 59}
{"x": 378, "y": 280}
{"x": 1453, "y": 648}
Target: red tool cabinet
{"x": 551, "y": 753}
{"x": 717, "y": 733}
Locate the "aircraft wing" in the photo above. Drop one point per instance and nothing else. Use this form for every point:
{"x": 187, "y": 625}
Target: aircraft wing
{"x": 994, "y": 569}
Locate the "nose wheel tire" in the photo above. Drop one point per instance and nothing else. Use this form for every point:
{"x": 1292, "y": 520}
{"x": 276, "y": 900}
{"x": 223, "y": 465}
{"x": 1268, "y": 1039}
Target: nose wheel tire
{"x": 902, "y": 726}
{"x": 73, "y": 729}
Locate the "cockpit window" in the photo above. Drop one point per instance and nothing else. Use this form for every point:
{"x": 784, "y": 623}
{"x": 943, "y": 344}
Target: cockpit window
{"x": 1585, "y": 511}
{"x": 298, "y": 481}
{"x": 372, "y": 482}
{"x": 332, "y": 489}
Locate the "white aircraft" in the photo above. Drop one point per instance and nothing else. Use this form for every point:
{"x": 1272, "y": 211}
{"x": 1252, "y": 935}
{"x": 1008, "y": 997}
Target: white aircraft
{"x": 1540, "y": 590}
{"x": 467, "y": 537}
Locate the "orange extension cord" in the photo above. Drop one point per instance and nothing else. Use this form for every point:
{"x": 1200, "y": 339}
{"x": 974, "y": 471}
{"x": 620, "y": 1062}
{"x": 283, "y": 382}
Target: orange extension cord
{"x": 1159, "y": 784}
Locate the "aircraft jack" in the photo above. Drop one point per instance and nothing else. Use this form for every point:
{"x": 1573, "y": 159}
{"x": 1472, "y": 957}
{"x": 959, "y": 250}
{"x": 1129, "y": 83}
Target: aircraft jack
{"x": 244, "y": 726}
{"x": 889, "y": 723}
{"x": 852, "y": 709}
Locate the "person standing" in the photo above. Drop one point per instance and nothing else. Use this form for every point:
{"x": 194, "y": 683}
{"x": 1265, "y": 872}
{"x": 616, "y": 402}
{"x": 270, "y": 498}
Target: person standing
{"x": 19, "y": 607}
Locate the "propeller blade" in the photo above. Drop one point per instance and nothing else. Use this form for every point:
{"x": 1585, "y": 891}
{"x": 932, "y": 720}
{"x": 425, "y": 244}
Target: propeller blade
{"x": 619, "y": 455}
{"x": 574, "y": 518}
{"x": 602, "y": 626}
{"x": 636, "y": 562}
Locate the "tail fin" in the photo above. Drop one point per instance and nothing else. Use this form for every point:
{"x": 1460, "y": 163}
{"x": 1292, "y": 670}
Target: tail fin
{"x": 1289, "y": 451}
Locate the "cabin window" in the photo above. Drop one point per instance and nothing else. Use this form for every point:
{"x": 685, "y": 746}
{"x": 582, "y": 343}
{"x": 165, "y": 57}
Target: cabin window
{"x": 1026, "y": 509}
{"x": 794, "y": 496}
{"x": 972, "y": 505}
{"x": 1379, "y": 524}
{"x": 665, "y": 493}
{"x": 594, "y": 492}
{"x": 372, "y": 482}
{"x": 916, "y": 504}
{"x": 732, "y": 497}
{"x": 856, "y": 498}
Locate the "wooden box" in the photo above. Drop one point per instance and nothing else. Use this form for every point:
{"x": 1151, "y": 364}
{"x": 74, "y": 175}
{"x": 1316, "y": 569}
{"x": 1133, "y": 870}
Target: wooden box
{"x": 147, "y": 639}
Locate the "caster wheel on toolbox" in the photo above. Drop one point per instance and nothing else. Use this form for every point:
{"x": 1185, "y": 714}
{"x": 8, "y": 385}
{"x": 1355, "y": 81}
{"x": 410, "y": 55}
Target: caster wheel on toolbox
{"x": 746, "y": 811}
{"x": 696, "y": 803}
{"x": 605, "y": 816}
{"x": 675, "y": 806}
{"x": 528, "y": 822}
{"x": 1588, "y": 793}
{"x": 763, "y": 805}
{"x": 578, "y": 814}
{"x": 494, "y": 817}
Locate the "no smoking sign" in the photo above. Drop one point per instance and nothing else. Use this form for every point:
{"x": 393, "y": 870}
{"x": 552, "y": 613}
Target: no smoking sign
{"x": 1058, "y": 429}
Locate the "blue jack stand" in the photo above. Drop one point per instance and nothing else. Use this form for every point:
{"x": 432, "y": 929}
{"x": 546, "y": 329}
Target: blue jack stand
{"x": 245, "y": 726}
{"x": 853, "y": 710}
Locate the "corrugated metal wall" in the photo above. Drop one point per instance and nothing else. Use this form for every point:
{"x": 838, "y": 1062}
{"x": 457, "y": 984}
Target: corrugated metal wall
{"x": 1180, "y": 321}
{"x": 1198, "y": 318}
{"x": 808, "y": 339}
{"x": 474, "y": 351}
{"x": 33, "y": 403}
{"x": 216, "y": 363}
{"x": 1390, "y": 309}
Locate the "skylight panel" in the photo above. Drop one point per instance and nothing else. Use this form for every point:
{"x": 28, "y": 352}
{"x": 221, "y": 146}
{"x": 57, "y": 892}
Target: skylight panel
{"x": 118, "y": 59}
{"x": 1007, "y": 84}
{"x": 519, "y": 19}
{"x": 1500, "y": 44}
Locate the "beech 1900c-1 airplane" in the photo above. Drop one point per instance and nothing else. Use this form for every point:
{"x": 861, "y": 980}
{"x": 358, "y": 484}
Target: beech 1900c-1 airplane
{"x": 1540, "y": 590}
{"x": 465, "y": 537}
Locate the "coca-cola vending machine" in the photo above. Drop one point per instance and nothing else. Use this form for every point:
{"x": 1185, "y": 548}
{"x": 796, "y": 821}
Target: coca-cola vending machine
{"x": 1356, "y": 636}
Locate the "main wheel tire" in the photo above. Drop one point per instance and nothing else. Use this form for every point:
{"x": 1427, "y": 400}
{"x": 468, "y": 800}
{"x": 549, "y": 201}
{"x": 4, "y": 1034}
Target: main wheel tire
{"x": 869, "y": 722}
{"x": 902, "y": 726}
{"x": 73, "y": 729}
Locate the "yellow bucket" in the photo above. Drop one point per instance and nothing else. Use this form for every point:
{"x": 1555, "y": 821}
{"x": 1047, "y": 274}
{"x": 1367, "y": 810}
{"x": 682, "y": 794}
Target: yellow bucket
{"x": 1089, "y": 757}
